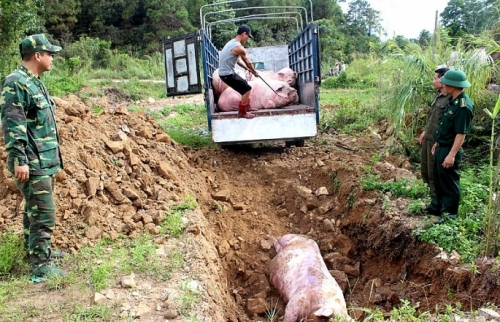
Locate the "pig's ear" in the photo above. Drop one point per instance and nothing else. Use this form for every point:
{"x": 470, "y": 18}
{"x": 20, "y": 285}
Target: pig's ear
{"x": 324, "y": 311}
{"x": 295, "y": 75}
{"x": 281, "y": 75}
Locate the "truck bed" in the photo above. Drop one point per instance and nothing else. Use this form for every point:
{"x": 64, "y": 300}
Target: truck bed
{"x": 288, "y": 110}
{"x": 291, "y": 123}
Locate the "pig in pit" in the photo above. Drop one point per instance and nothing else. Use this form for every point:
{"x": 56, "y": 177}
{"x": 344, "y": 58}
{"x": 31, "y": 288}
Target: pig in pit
{"x": 261, "y": 96}
{"x": 301, "y": 277}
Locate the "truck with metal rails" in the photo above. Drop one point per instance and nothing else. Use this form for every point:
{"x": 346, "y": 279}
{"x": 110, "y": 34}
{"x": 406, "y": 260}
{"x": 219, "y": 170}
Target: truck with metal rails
{"x": 293, "y": 123}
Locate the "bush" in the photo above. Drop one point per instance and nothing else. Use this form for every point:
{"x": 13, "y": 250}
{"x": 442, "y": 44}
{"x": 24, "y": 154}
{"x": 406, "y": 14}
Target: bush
{"x": 60, "y": 86}
{"x": 11, "y": 252}
{"x": 92, "y": 50}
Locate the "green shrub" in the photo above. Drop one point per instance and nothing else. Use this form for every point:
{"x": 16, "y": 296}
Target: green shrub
{"x": 60, "y": 86}
{"x": 92, "y": 50}
{"x": 461, "y": 235}
{"x": 398, "y": 188}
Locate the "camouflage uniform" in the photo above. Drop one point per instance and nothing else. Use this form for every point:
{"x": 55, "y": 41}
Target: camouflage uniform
{"x": 456, "y": 119}
{"x": 427, "y": 159}
{"x": 31, "y": 138}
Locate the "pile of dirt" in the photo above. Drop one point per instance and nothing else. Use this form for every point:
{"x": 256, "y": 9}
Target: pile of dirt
{"x": 122, "y": 173}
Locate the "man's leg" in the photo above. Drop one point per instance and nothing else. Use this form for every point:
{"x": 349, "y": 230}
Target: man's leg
{"x": 244, "y": 106}
{"x": 424, "y": 163}
{"x": 23, "y": 186}
{"x": 450, "y": 183}
{"x": 435, "y": 206}
{"x": 427, "y": 165}
{"x": 38, "y": 194}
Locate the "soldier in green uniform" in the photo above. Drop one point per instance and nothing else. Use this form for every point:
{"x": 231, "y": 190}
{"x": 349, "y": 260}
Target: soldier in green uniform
{"x": 426, "y": 139}
{"x": 450, "y": 135}
{"x": 32, "y": 145}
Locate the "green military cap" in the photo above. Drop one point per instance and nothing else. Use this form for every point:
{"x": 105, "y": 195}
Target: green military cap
{"x": 37, "y": 43}
{"x": 455, "y": 78}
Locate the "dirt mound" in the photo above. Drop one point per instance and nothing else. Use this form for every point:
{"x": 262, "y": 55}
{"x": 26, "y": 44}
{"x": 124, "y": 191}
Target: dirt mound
{"x": 122, "y": 173}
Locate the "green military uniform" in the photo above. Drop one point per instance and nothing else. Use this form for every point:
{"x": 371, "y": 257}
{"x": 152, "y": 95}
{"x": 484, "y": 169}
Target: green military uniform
{"x": 31, "y": 138}
{"x": 427, "y": 159}
{"x": 456, "y": 119}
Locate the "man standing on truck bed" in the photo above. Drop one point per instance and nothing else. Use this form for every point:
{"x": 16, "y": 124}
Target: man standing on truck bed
{"x": 228, "y": 58}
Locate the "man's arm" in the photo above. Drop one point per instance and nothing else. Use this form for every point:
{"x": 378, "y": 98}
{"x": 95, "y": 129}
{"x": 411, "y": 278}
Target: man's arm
{"x": 14, "y": 128}
{"x": 449, "y": 161}
{"x": 240, "y": 51}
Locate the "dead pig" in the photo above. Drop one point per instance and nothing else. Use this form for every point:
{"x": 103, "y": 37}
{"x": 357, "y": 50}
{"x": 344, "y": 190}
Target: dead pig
{"x": 218, "y": 85}
{"x": 301, "y": 277}
{"x": 286, "y": 75}
{"x": 261, "y": 96}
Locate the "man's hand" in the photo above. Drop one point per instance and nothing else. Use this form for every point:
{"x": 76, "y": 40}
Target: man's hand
{"x": 255, "y": 73}
{"x": 22, "y": 173}
{"x": 433, "y": 149}
{"x": 449, "y": 161}
{"x": 421, "y": 138}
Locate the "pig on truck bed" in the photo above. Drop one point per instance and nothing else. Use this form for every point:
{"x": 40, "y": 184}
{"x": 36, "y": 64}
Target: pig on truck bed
{"x": 275, "y": 120}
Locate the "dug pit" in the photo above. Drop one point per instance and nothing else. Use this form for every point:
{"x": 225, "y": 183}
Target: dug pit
{"x": 123, "y": 172}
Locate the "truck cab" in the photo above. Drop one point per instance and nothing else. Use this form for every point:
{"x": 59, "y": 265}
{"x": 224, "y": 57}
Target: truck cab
{"x": 293, "y": 123}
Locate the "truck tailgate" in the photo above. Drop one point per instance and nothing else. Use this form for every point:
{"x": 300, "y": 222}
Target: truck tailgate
{"x": 292, "y": 122}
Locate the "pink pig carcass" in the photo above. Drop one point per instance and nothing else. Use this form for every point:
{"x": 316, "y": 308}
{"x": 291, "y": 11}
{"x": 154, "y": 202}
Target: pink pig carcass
{"x": 261, "y": 96}
{"x": 301, "y": 277}
{"x": 285, "y": 74}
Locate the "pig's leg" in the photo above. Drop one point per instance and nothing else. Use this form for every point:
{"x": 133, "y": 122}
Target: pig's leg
{"x": 296, "y": 309}
{"x": 269, "y": 104}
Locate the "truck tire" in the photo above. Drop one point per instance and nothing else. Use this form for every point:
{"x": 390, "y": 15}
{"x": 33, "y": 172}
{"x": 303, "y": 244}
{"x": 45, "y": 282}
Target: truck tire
{"x": 298, "y": 143}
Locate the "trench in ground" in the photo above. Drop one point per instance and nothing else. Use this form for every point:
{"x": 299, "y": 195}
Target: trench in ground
{"x": 378, "y": 262}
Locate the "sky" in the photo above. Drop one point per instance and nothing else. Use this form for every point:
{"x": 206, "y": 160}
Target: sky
{"x": 407, "y": 17}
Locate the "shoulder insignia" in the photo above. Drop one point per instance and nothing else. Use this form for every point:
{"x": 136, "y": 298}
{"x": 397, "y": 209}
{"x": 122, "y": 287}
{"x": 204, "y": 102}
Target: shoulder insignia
{"x": 462, "y": 102}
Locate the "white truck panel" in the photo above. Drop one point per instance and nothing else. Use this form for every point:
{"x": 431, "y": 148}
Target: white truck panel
{"x": 274, "y": 127}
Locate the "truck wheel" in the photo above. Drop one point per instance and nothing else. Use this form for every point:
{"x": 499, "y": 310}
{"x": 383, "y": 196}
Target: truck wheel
{"x": 298, "y": 143}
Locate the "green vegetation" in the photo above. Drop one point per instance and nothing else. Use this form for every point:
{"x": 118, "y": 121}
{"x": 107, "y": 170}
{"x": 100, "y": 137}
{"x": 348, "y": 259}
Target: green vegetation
{"x": 95, "y": 268}
{"x": 397, "y": 188}
{"x": 186, "y": 124}
{"x": 191, "y": 295}
{"x": 11, "y": 253}
{"x": 492, "y": 227}
{"x": 173, "y": 223}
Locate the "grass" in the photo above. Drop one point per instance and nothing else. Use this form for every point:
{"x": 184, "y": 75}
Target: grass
{"x": 397, "y": 188}
{"x": 93, "y": 269}
{"x": 11, "y": 252}
{"x": 272, "y": 313}
{"x": 350, "y": 111}
{"x": 173, "y": 223}
{"x": 186, "y": 124}
{"x": 191, "y": 295}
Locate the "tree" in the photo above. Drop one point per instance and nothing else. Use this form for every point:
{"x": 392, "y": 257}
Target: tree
{"x": 60, "y": 17}
{"x": 17, "y": 19}
{"x": 424, "y": 39}
{"x": 362, "y": 25}
{"x": 165, "y": 19}
{"x": 462, "y": 17}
